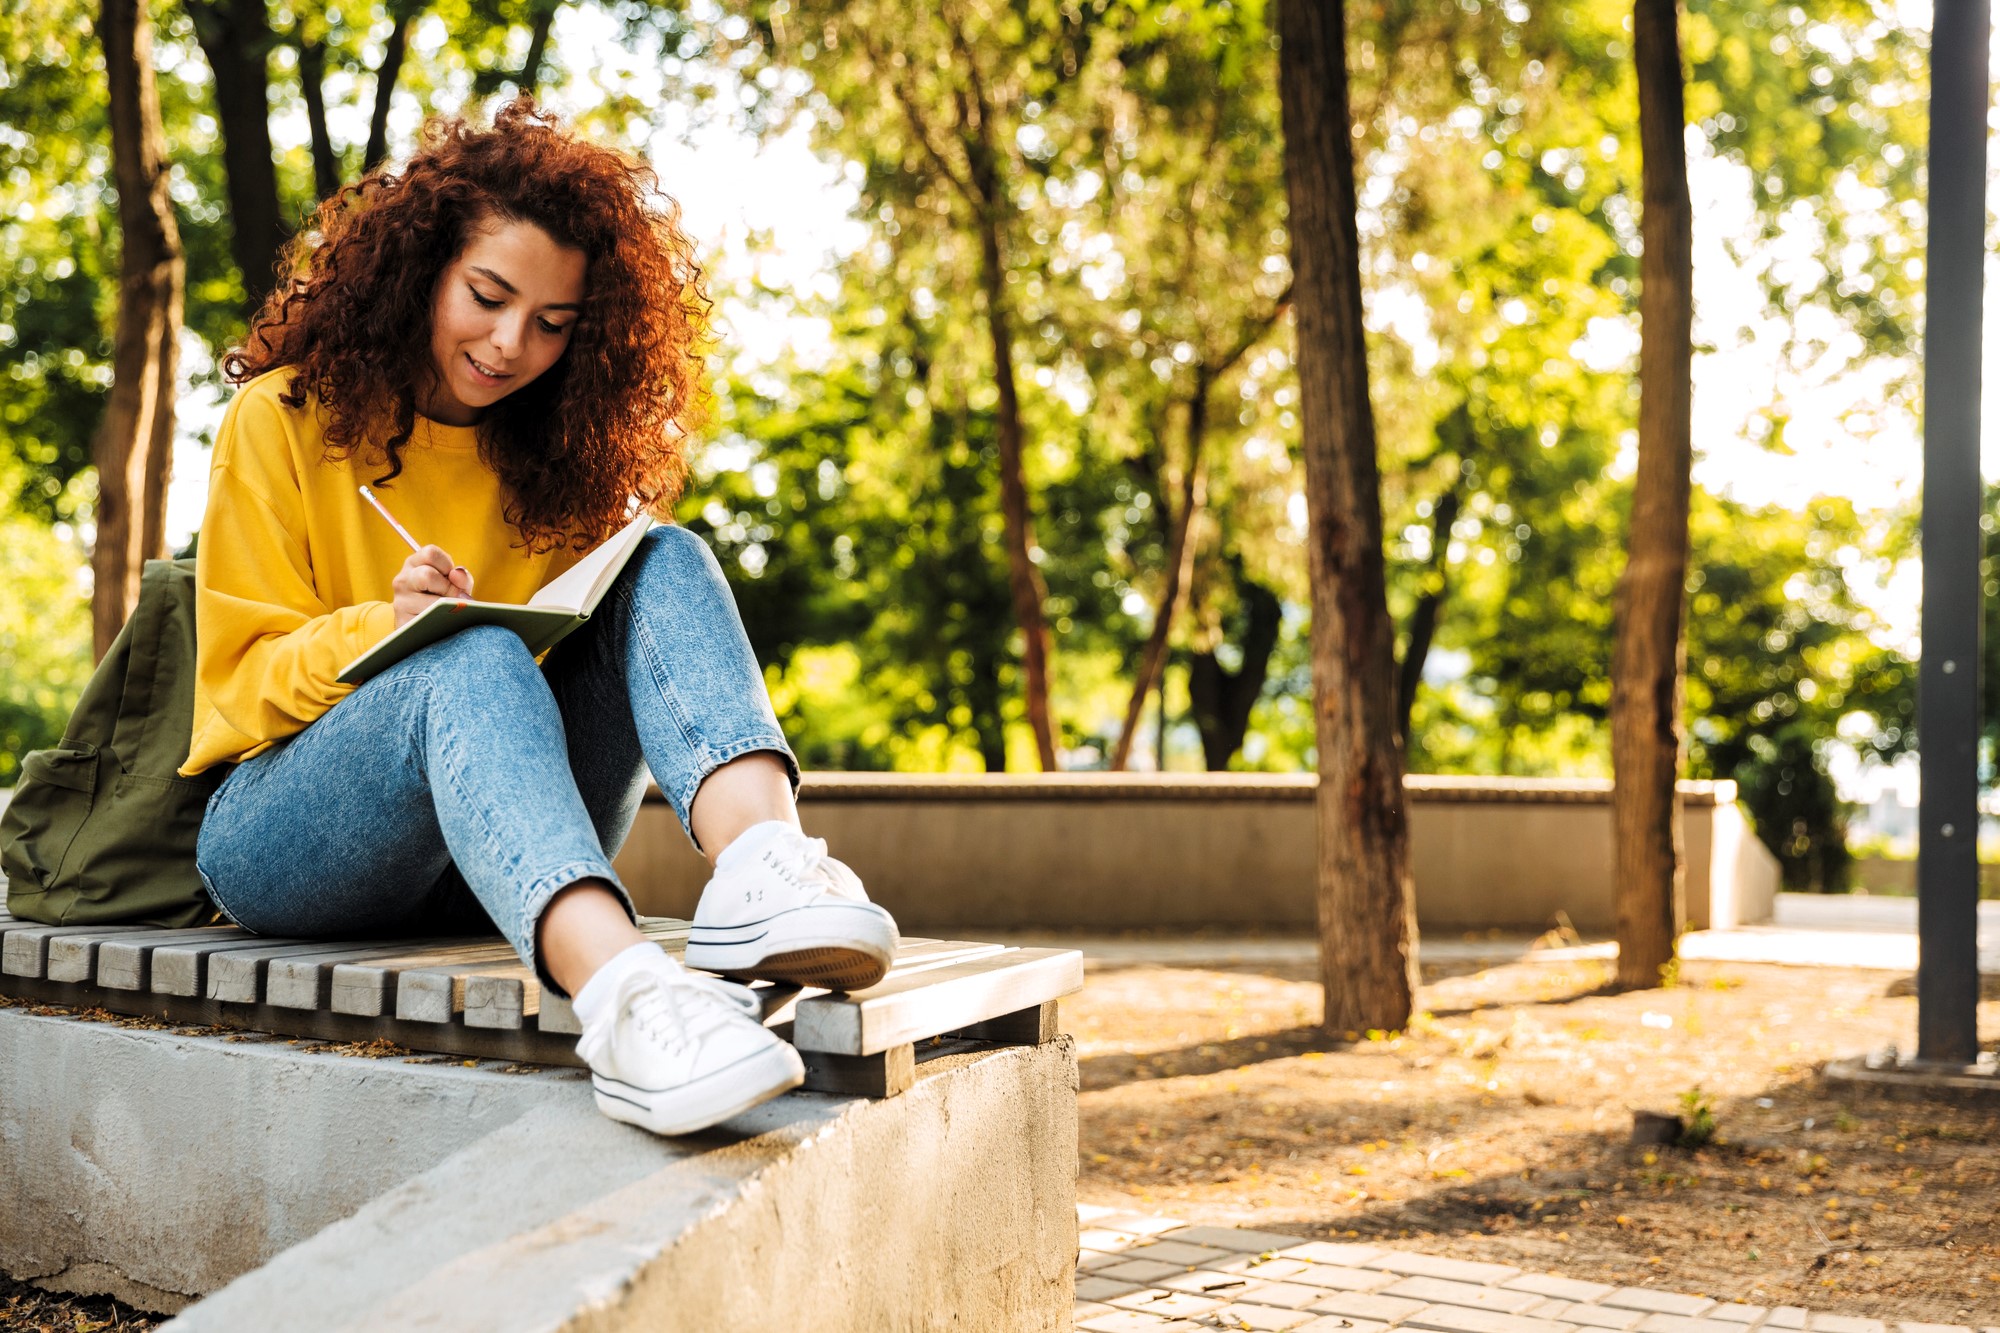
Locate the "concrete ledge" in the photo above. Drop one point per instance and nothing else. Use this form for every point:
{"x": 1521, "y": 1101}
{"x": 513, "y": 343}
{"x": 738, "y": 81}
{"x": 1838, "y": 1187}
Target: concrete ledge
{"x": 312, "y": 1191}
{"x": 1210, "y": 787}
{"x": 1891, "y": 1071}
{"x": 1106, "y": 851}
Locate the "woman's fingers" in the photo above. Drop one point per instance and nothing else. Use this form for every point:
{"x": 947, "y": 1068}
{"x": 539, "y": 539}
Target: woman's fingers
{"x": 425, "y": 577}
{"x": 431, "y": 570}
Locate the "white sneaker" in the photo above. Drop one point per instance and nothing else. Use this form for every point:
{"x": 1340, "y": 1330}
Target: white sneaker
{"x": 792, "y": 914}
{"x": 675, "y": 1052}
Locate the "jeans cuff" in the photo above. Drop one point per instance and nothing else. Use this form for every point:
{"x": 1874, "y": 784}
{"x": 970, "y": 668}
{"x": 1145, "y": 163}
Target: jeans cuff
{"x": 683, "y": 800}
{"x": 537, "y": 900}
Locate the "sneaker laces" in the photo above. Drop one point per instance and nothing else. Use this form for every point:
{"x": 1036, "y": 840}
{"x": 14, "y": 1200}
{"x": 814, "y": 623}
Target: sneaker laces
{"x": 677, "y": 1008}
{"x": 804, "y": 860}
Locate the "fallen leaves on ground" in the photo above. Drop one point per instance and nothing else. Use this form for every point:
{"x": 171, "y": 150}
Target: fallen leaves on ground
{"x": 1497, "y": 1128}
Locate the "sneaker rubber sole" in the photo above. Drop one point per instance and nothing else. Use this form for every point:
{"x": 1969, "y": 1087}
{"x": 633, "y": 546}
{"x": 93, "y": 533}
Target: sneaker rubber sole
{"x": 706, "y": 1101}
{"x": 840, "y": 946}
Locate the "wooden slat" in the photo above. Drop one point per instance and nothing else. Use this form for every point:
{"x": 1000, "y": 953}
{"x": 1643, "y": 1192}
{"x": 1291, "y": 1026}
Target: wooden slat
{"x": 473, "y": 996}
{"x": 25, "y": 951}
{"x": 913, "y": 952}
{"x": 368, "y": 987}
{"x": 885, "y": 1074}
{"x": 434, "y": 990}
{"x": 557, "y": 1017}
{"x": 182, "y": 969}
{"x": 437, "y": 994}
{"x": 907, "y": 1008}
{"x": 1032, "y": 1026}
{"x": 523, "y": 1045}
{"x": 501, "y": 998}
{"x": 239, "y": 976}
{"x": 81, "y": 957}
{"x": 552, "y": 1013}
{"x": 506, "y": 996}
{"x": 306, "y": 982}
{"x": 935, "y": 960}
{"x": 122, "y": 964}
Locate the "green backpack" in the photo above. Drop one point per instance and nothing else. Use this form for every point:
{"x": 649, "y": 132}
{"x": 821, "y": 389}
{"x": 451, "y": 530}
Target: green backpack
{"x": 101, "y": 829}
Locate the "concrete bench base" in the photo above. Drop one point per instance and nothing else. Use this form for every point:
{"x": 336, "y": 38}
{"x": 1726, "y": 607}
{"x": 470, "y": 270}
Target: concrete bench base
{"x": 311, "y": 1191}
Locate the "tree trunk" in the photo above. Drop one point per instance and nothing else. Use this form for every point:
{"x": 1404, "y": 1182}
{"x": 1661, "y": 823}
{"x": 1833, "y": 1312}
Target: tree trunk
{"x": 1221, "y": 700}
{"x": 983, "y": 693}
{"x": 133, "y": 450}
{"x": 1024, "y": 578}
{"x": 1180, "y": 543}
{"x": 1179, "y": 569}
{"x": 312, "y": 80}
{"x": 237, "y": 40}
{"x": 1424, "y": 617}
{"x": 1649, "y": 650}
{"x": 386, "y": 75}
{"x": 538, "y": 46}
{"x": 1366, "y": 899}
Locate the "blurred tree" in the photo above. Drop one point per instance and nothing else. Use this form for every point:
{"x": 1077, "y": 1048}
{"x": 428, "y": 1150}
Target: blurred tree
{"x": 1367, "y": 899}
{"x": 133, "y": 452}
{"x": 57, "y": 288}
{"x": 955, "y": 113}
{"x": 1785, "y": 664}
{"x": 1220, "y": 697}
{"x": 236, "y": 37}
{"x": 44, "y": 632}
{"x": 1783, "y": 669}
{"x": 1650, "y": 616}
{"x": 854, "y": 506}
{"x": 1166, "y": 269}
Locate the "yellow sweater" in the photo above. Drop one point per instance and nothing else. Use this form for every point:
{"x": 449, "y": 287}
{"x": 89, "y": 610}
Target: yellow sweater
{"x": 293, "y": 568}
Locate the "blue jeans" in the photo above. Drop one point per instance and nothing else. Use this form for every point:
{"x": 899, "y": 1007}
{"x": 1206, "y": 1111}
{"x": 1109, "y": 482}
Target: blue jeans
{"x": 464, "y": 787}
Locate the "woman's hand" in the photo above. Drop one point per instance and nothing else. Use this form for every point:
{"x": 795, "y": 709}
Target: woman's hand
{"x": 426, "y": 577}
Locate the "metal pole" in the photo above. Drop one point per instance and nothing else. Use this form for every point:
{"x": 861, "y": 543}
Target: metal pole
{"x": 1948, "y": 677}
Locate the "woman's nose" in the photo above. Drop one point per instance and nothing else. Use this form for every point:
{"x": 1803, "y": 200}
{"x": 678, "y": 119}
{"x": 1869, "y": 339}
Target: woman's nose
{"x": 509, "y": 336}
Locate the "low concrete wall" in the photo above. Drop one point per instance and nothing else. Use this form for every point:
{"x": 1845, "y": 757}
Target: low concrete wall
{"x": 322, "y": 1192}
{"x": 1113, "y": 851}
{"x": 1879, "y": 874}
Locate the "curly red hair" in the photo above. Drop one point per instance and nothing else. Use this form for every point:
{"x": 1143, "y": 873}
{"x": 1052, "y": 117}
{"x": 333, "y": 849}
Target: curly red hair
{"x": 601, "y": 426}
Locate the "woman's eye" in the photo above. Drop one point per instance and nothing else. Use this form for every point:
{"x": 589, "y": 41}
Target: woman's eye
{"x": 553, "y": 328}
{"x": 484, "y": 303}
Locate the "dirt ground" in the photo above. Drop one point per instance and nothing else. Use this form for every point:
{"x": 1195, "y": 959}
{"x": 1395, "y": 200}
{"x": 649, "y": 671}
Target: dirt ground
{"x": 26, "y": 1309}
{"x": 1498, "y": 1128}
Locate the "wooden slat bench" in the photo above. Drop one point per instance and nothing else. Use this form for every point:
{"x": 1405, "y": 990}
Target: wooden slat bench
{"x": 471, "y": 996}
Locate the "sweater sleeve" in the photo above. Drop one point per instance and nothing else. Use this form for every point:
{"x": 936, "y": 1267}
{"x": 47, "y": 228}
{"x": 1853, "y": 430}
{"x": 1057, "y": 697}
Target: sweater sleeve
{"x": 268, "y": 648}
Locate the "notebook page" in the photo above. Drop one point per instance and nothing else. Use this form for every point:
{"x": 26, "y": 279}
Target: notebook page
{"x": 578, "y": 588}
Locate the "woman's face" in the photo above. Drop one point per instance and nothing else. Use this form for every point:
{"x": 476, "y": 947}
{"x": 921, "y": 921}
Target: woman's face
{"x": 502, "y": 314}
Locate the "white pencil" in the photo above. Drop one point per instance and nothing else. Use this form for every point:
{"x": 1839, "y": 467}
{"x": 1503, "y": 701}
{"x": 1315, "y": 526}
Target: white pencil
{"x": 390, "y": 519}
{"x": 403, "y": 532}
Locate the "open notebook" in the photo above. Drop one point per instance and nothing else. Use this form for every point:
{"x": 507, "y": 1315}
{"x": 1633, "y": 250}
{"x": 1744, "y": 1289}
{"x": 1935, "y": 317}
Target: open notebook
{"x": 557, "y": 608}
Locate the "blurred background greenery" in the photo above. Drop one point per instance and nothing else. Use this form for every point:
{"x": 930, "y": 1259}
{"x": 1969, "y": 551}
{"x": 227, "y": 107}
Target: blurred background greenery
{"x": 1122, "y": 160}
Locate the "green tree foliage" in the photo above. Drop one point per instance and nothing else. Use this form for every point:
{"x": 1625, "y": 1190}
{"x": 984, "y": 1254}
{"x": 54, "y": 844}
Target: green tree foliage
{"x": 853, "y": 493}
{"x": 1784, "y": 665}
{"x": 44, "y": 631}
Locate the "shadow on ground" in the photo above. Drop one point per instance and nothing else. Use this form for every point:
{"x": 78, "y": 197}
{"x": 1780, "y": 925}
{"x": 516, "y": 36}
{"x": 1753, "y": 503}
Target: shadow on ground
{"x": 1853, "y": 1201}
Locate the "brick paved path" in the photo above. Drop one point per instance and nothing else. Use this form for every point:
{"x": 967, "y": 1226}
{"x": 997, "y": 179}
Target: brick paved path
{"x": 1139, "y": 1274}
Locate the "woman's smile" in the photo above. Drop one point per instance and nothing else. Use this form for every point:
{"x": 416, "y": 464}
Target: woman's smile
{"x": 482, "y": 371}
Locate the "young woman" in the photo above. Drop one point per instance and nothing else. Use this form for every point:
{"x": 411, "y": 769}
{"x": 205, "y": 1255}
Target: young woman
{"x": 500, "y": 339}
